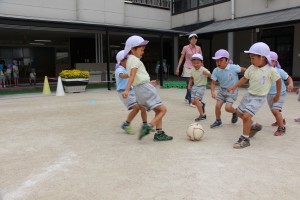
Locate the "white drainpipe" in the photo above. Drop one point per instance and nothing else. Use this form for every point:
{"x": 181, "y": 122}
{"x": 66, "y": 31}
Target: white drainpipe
{"x": 232, "y": 9}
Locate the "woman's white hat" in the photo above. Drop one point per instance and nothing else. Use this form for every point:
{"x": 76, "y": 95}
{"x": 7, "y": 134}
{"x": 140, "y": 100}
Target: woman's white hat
{"x": 193, "y": 35}
{"x": 134, "y": 41}
{"x": 261, "y": 49}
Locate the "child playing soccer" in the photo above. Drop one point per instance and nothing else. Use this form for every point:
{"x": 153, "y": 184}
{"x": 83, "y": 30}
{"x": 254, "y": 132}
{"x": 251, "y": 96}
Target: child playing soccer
{"x": 260, "y": 75}
{"x": 227, "y": 75}
{"x": 276, "y": 107}
{"x": 199, "y": 76}
{"x": 145, "y": 91}
{"x": 130, "y": 102}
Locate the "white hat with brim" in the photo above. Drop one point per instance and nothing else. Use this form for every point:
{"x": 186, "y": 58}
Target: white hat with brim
{"x": 274, "y": 56}
{"x": 222, "y": 53}
{"x": 119, "y": 58}
{"x": 193, "y": 35}
{"x": 197, "y": 56}
{"x": 134, "y": 41}
{"x": 261, "y": 49}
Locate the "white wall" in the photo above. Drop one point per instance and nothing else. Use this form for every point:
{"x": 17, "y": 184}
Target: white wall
{"x": 54, "y": 9}
{"x": 142, "y": 16}
{"x": 222, "y": 11}
{"x": 97, "y": 11}
{"x": 246, "y": 7}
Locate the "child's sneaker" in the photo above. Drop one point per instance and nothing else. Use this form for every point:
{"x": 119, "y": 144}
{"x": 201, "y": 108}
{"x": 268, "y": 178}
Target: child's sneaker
{"x": 276, "y": 124}
{"x": 162, "y": 137}
{"x": 145, "y": 130}
{"x": 297, "y": 120}
{"x": 280, "y": 131}
{"x": 216, "y": 124}
{"x": 200, "y": 118}
{"x": 234, "y": 118}
{"x": 203, "y": 107}
{"x": 255, "y": 129}
{"x": 242, "y": 143}
{"x": 186, "y": 101}
{"x": 128, "y": 129}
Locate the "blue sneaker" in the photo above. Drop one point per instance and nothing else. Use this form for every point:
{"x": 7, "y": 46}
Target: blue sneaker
{"x": 234, "y": 118}
{"x": 200, "y": 118}
{"x": 216, "y": 124}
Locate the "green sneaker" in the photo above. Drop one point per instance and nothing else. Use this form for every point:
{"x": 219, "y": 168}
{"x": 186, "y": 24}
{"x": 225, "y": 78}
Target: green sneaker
{"x": 145, "y": 130}
{"x": 162, "y": 137}
{"x": 128, "y": 129}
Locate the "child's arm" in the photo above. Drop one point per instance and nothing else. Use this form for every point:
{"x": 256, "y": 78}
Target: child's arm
{"x": 179, "y": 64}
{"x": 212, "y": 89}
{"x": 291, "y": 84}
{"x": 121, "y": 75}
{"x": 243, "y": 69}
{"x": 242, "y": 81}
{"x": 278, "y": 88}
{"x": 154, "y": 83}
{"x": 190, "y": 83}
{"x": 130, "y": 81}
{"x": 207, "y": 73}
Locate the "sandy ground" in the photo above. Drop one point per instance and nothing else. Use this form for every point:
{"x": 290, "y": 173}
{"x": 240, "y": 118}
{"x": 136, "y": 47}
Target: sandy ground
{"x": 72, "y": 147}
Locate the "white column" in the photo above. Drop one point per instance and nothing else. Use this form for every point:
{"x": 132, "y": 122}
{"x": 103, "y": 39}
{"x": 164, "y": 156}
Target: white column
{"x": 230, "y": 44}
{"x": 175, "y": 53}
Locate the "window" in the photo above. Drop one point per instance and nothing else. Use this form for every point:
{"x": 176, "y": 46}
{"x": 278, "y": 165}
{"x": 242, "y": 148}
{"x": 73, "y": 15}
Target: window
{"x": 164, "y": 4}
{"x": 181, "y": 6}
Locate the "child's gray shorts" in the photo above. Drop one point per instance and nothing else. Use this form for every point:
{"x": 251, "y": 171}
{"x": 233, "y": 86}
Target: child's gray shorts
{"x": 130, "y": 101}
{"x": 146, "y": 96}
{"x": 251, "y": 103}
{"x": 278, "y": 105}
{"x": 198, "y": 92}
{"x": 227, "y": 97}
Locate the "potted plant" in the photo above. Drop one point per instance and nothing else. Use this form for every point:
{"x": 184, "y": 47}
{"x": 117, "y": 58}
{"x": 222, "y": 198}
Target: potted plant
{"x": 74, "y": 80}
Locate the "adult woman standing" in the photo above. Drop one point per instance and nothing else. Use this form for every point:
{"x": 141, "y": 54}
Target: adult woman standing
{"x": 187, "y": 52}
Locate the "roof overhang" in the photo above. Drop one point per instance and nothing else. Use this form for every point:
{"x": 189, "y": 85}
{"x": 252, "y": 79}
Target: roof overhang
{"x": 287, "y": 16}
{"x": 11, "y": 22}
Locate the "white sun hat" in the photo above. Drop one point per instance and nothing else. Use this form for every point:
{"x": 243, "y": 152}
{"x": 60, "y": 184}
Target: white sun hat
{"x": 261, "y": 49}
{"x": 134, "y": 41}
{"x": 119, "y": 58}
{"x": 197, "y": 56}
{"x": 222, "y": 53}
{"x": 193, "y": 35}
{"x": 274, "y": 56}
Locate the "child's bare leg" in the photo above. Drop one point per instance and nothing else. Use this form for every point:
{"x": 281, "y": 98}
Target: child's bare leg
{"x": 160, "y": 111}
{"x": 247, "y": 122}
{"x": 143, "y": 113}
{"x": 198, "y": 104}
{"x": 218, "y": 107}
{"x": 229, "y": 108}
{"x": 278, "y": 116}
{"x": 133, "y": 113}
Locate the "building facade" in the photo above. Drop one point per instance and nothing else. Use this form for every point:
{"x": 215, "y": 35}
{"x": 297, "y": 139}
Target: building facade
{"x": 236, "y": 24}
{"x": 54, "y": 35}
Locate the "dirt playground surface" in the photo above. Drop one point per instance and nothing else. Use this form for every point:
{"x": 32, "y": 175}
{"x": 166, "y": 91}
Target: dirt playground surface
{"x": 72, "y": 147}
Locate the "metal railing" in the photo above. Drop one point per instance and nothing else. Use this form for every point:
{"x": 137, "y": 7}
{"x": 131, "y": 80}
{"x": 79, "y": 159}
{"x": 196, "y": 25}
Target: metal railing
{"x": 181, "y": 6}
{"x": 166, "y": 4}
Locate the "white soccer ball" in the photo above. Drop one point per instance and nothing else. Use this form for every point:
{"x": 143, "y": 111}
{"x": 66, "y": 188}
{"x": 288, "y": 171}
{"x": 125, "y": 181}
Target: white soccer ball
{"x": 195, "y": 132}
